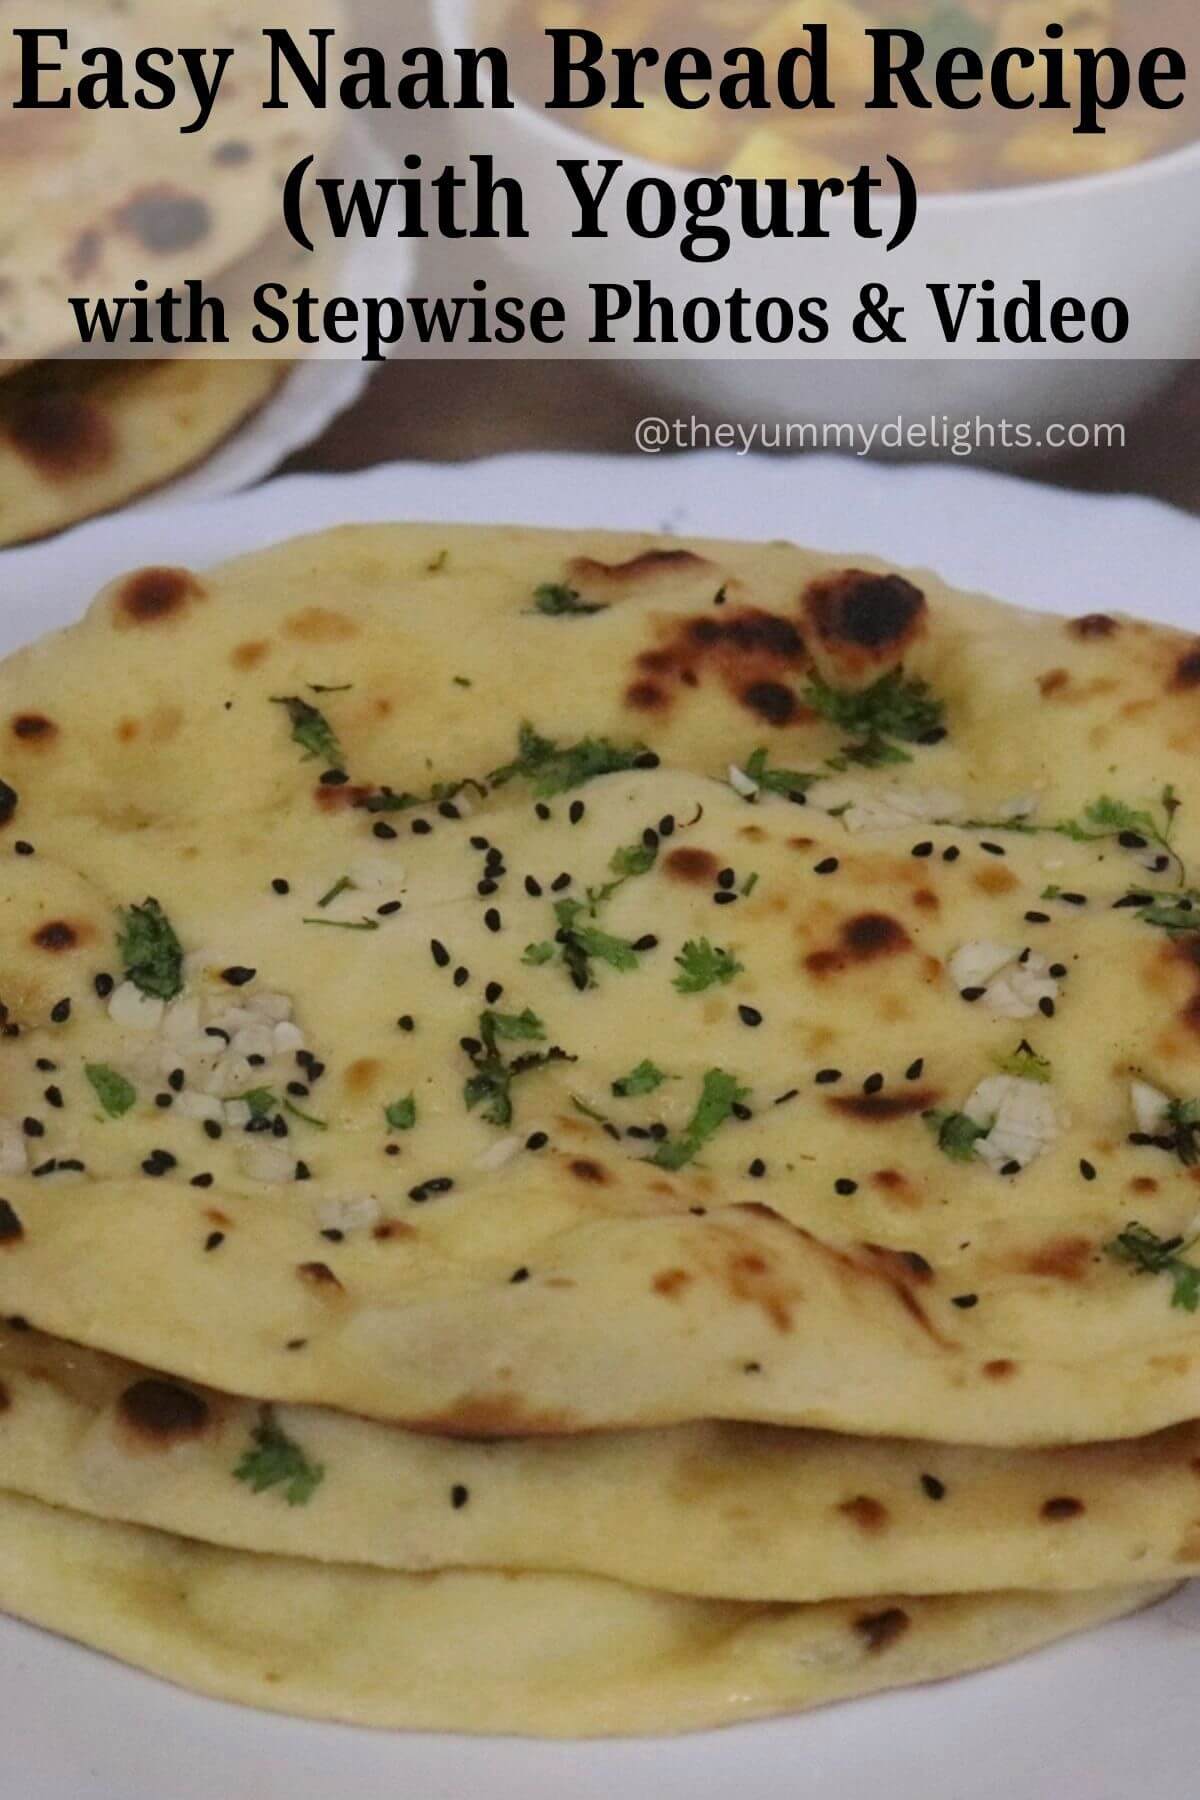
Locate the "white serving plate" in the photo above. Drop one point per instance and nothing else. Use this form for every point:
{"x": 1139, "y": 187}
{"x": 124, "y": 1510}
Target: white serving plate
{"x": 1105, "y": 1717}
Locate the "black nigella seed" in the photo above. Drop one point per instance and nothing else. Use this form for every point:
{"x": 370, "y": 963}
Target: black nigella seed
{"x": 214, "y": 1240}
{"x": 723, "y": 898}
{"x": 487, "y": 887}
{"x": 538, "y": 1141}
{"x": 649, "y": 759}
{"x": 459, "y": 1495}
{"x": 104, "y": 985}
{"x": 237, "y": 976}
{"x": 389, "y": 909}
{"x": 448, "y": 810}
{"x": 203, "y": 1181}
{"x": 1011, "y": 1168}
{"x": 743, "y": 1113}
{"x": 60, "y": 1012}
{"x": 385, "y": 832}
{"x": 493, "y": 991}
{"x": 175, "y": 1081}
{"x": 873, "y": 1084}
{"x": 334, "y": 778}
{"x": 212, "y": 1129}
{"x": 845, "y": 1187}
{"x": 1037, "y": 918}
{"x": 492, "y": 919}
{"x": 649, "y": 942}
{"x": 758, "y": 1168}
{"x": 421, "y": 828}
{"x": 937, "y": 735}
{"x": 1131, "y": 840}
{"x": 994, "y": 849}
{"x": 1059, "y": 971}
{"x": 727, "y": 878}
{"x": 1087, "y": 1169}
{"x": 650, "y": 838}
{"x": 922, "y": 850}
{"x": 972, "y": 994}
{"x": 303, "y": 1172}
{"x": 461, "y": 977}
{"x": 33, "y": 1128}
{"x": 163, "y": 1101}
{"x": 440, "y": 954}
{"x": 561, "y": 882}
{"x": 827, "y": 1077}
{"x": 543, "y": 811}
{"x": 935, "y": 1489}
{"x": 406, "y": 1022}
{"x": 533, "y": 887}
{"x": 280, "y": 886}
{"x": 1046, "y": 1007}
{"x": 750, "y": 1015}
{"x": 481, "y": 843}
{"x": 952, "y": 854}
{"x": 333, "y": 1236}
{"x": 666, "y": 827}
{"x": 23, "y": 848}
{"x": 517, "y": 1277}
{"x": 1073, "y": 899}
{"x": 577, "y": 811}
{"x": 45, "y": 1065}
{"x": 965, "y": 1302}
{"x": 53, "y": 1096}
{"x": 915, "y": 1070}
{"x": 829, "y": 867}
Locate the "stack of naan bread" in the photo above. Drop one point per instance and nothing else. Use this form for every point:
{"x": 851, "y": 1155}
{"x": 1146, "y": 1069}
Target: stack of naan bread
{"x": 94, "y": 201}
{"x": 599, "y": 1135}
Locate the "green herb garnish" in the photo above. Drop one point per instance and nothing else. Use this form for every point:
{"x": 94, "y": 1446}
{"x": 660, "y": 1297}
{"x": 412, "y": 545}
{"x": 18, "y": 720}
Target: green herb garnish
{"x": 642, "y": 1080}
{"x": 278, "y": 1461}
{"x": 556, "y": 601}
{"x": 957, "y": 1135}
{"x": 892, "y": 707}
{"x": 306, "y": 1118}
{"x": 1148, "y": 1254}
{"x": 312, "y": 731}
{"x": 702, "y": 965}
{"x": 788, "y": 782}
{"x": 1025, "y": 1064}
{"x": 343, "y": 886}
{"x": 150, "y": 951}
{"x": 345, "y": 924}
{"x": 719, "y": 1098}
{"x": 388, "y": 801}
{"x": 115, "y": 1094}
{"x": 401, "y": 1115}
{"x": 491, "y": 1084}
{"x": 552, "y": 769}
{"x": 261, "y": 1101}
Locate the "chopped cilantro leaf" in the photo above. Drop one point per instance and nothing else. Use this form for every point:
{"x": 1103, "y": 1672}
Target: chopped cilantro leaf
{"x": 557, "y": 601}
{"x": 874, "y": 752}
{"x": 642, "y": 1080}
{"x": 552, "y": 769}
{"x": 702, "y": 965}
{"x": 261, "y": 1101}
{"x": 892, "y": 708}
{"x": 491, "y": 1084}
{"x": 719, "y": 1096}
{"x": 115, "y": 1094}
{"x": 787, "y": 782}
{"x": 1183, "y": 1116}
{"x": 1172, "y": 912}
{"x": 312, "y": 731}
{"x": 344, "y": 886}
{"x": 278, "y": 1461}
{"x": 401, "y": 1115}
{"x": 345, "y": 924}
{"x": 1148, "y": 1254}
{"x": 388, "y": 801}
{"x": 1025, "y": 1064}
{"x": 537, "y": 955}
{"x": 635, "y": 859}
{"x": 150, "y": 950}
{"x": 957, "y": 1135}
{"x": 307, "y": 1118}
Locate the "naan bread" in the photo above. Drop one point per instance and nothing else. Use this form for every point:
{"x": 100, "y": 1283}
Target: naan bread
{"x": 743, "y": 1512}
{"x": 750, "y": 1238}
{"x": 93, "y": 201}
{"x": 77, "y": 439}
{"x": 554, "y": 1656}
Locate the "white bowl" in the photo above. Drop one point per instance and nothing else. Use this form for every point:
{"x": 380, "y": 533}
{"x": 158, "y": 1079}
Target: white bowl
{"x": 1130, "y": 233}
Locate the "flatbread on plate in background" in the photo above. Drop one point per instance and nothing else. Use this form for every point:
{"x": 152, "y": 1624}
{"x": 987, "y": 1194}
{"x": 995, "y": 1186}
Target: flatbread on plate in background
{"x": 81, "y": 438}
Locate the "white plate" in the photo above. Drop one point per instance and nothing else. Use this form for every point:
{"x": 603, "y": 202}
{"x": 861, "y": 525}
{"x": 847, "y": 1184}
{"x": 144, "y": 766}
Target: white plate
{"x": 1103, "y": 1718}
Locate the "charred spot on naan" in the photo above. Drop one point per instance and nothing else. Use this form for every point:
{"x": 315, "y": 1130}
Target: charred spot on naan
{"x": 1186, "y": 676}
{"x": 650, "y": 572}
{"x": 870, "y": 1516}
{"x": 882, "y": 1629}
{"x": 11, "y": 1229}
{"x": 59, "y": 935}
{"x": 751, "y": 652}
{"x": 66, "y": 435}
{"x": 151, "y": 596}
{"x": 1094, "y": 627}
{"x": 692, "y": 864}
{"x": 866, "y": 938}
{"x": 165, "y": 220}
{"x": 862, "y": 625}
{"x": 33, "y": 730}
{"x": 160, "y": 1413}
